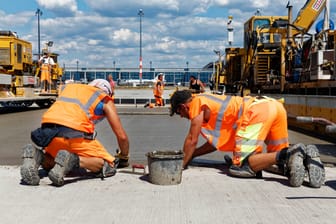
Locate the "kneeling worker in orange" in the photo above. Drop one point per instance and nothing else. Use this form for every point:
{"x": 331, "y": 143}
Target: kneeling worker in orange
{"x": 67, "y": 135}
{"x": 242, "y": 125}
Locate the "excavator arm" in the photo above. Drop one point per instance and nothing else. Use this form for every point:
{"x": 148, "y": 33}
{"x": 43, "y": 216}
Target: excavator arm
{"x": 308, "y": 15}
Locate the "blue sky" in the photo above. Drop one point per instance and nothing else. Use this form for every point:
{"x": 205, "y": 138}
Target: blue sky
{"x": 98, "y": 32}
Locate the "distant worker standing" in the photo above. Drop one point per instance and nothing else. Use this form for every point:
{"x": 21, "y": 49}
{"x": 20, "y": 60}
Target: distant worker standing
{"x": 196, "y": 85}
{"x": 46, "y": 63}
{"x": 158, "y": 91}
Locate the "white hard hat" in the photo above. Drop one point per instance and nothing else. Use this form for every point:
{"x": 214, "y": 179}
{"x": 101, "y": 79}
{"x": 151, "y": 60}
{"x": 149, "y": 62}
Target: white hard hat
{"x": 103, "y": 85}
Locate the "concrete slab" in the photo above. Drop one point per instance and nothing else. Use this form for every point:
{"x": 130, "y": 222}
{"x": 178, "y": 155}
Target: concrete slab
{"x": 206, "y": 195}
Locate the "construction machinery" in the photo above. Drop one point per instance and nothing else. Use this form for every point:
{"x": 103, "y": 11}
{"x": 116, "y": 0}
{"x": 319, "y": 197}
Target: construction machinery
{"x": 282, "y": 57}
{"x": 18, "y": 83}
{"x": 56, "y": 72}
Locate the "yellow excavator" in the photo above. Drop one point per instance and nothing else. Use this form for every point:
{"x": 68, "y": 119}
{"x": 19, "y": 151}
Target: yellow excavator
{"x": 282, "y": 57}
{"x": 279, "y": 53}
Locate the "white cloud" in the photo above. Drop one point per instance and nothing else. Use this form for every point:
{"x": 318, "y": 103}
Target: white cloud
{"x": 173, "y": 31}
{"x": 62, "y": 7}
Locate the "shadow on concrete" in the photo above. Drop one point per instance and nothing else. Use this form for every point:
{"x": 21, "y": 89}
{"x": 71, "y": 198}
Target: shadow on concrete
{"x": 331, "y": 184}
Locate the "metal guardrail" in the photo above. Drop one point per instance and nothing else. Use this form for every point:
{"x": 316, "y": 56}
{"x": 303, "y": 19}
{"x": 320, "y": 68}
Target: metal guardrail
{"x": 137, "y": 101}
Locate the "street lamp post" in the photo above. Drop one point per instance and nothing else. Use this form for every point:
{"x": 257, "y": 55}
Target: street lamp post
{"x": 187, "y": 73}
{"x": 150, "y": 68}
{"x": 38, "y": 13}
{"x": 141, "y": 14}
{"x": 114, "y": 70}
{"x": 217, "y": 71}
{"x": 77, "y": 67}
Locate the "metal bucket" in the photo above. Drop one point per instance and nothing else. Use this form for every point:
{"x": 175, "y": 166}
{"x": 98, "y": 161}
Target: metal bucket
{"x": 165, "y": 167}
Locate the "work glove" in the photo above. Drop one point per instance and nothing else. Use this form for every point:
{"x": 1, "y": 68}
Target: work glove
{"x": 123, "y": 160}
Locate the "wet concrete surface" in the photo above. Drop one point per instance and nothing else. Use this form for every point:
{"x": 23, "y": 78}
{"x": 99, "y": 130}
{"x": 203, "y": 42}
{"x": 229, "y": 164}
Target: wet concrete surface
{"x": 148, "y": 130}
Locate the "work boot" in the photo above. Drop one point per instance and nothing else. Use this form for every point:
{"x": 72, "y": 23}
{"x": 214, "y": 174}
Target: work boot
{"x": 242, "y": 171}
{"x": 294, "y": 167}
{"x": 107, "y": 170}
{"x": 146, "y": 105}
{"x": 314, "y": 166}
{"x": 32, "y": 159}
{"x": 64, "y": 163}
{"x": 123, "y": 161}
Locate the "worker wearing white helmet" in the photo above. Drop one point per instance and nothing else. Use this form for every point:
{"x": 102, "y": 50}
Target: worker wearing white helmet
{"x": 67, "y": 135}
{"x": 103, "y": 85}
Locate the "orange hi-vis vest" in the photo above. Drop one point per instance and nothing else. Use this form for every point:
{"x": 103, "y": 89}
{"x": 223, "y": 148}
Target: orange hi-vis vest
{"x": 74, "y": 108}
{"x": 157, "y": 90}
{"x": 225, "y": 112}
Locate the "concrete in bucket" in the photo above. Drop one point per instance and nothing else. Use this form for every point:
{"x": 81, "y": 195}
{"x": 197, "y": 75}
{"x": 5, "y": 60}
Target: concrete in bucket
{"x": 165, "y": 167}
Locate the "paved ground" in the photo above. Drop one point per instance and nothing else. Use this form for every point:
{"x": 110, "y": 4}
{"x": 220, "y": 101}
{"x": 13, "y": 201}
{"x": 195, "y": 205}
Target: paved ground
{"x": 205, "y": 195}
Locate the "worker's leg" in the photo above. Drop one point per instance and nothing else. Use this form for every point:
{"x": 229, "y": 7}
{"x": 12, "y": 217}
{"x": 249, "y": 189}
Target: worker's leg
{"x": 277, "y": 136}
{"x": 90, "y": 153}
{"x": 158, "y": 101}
{"x": 204, "y": 149}
{"x": 44, "y": 74}
{"x": 259, "y": 162}
{"x": 82, "y": 147}
{"x": 254, "y": 128}
{"x": 259, "y": 121}
{"x": 276, "y": 131}
{"x": 93, "y": 164}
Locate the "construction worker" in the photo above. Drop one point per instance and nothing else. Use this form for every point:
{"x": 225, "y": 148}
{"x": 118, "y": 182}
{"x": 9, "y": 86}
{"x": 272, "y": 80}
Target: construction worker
{"x": 196, "y": 85}
{"x": 67, "y": 135}
{"x": 158, "y": 91}
{"x": 242, "y": 125}
{"x": 46, "y": 63}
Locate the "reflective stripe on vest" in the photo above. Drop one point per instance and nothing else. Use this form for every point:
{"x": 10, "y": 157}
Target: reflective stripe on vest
{"x": 85, "y": 107}
{"x": 277, "y": 142}
{"x": 240, "y": 112}
{"x": 216, "y": 132}
{"x": 75, "y": 108}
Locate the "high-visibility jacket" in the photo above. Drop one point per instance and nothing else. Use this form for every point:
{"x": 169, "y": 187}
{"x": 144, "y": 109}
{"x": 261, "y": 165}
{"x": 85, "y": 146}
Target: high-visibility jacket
{"x": 225, "y": 111}
{"x": 74, "y": 108}
{"x": 158, "y": 89}
{"x": 242, "y": 125}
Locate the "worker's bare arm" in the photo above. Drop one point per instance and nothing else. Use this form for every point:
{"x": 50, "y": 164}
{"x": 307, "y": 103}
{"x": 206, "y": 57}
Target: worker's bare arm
{"x": 191, "y": 140}
{"x": 115, "y": 123}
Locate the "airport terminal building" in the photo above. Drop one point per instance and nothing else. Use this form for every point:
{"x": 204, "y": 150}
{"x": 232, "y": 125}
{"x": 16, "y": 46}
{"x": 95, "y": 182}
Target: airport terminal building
{"x": 173, "y": 76}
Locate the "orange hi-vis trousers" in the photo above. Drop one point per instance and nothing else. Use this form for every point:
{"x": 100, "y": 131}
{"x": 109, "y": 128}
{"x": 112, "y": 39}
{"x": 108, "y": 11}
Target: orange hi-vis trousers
{"x": 45, "y": 73}
{"x": 263, "y": 122}
{"x": 80, "y": 146}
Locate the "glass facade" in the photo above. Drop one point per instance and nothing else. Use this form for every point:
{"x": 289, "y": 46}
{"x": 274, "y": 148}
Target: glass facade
{"x": 172, "y": 76}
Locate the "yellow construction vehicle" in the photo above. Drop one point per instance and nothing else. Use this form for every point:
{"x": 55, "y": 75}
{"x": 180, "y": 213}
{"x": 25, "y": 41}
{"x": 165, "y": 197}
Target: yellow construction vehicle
{"x": 17, "y": 79}
{"x": 278, "y": 54}
{"x": 281, "y": 56}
